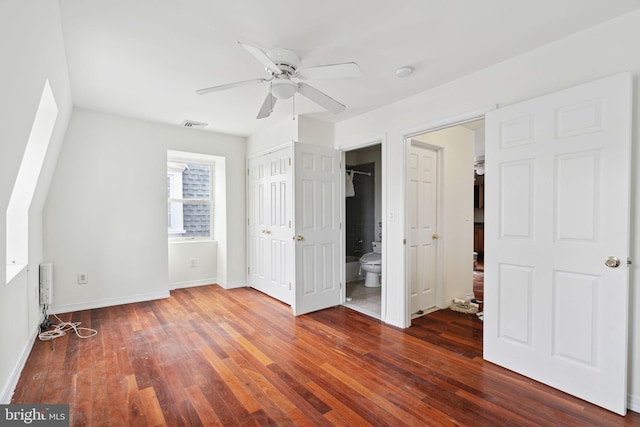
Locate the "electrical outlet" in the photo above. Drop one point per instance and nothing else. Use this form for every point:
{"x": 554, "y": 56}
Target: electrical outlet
{"x": 83, "y": 278}
{"x": 193, "y": 263}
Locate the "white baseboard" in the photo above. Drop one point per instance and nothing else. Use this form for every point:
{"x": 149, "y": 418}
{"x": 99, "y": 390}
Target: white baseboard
{"x": 233, "y": 285}
{"x": 88, "y": 305}
{"x": 633, "y": 403}
{"x": 10, "y": 387}
{"x": 191, "y": 283}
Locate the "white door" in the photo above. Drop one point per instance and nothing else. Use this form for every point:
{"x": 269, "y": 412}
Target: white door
{"x": 257, "y": 222}
{"x": 318, "y": 177}
{"x": 556, "y": 213}
{"x": 270, "y": 224}
{"x": 422, "y": 199}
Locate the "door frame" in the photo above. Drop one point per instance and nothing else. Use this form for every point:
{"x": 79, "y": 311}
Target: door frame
{"x": 379, "y": 140}
{"x": 407, "y": 135}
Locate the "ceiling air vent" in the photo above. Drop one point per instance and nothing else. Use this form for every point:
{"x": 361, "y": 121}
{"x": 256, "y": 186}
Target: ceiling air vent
{"x": 194, "y": 124}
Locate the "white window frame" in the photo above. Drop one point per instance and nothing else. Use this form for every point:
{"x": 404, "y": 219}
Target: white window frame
{"x": 174, "y": 212}
{"x": 175, "y": 169}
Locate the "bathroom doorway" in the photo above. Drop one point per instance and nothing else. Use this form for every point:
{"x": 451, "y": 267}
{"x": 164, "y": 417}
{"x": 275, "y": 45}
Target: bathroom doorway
{"x": 363, "y": 230}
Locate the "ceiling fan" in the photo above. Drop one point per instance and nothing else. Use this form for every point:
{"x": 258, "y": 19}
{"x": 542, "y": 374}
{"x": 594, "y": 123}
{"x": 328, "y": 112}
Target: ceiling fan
{"x": 283, "y": 66}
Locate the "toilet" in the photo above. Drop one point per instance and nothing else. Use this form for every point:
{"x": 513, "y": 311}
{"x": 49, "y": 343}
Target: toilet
{"x": 371, "y": 264}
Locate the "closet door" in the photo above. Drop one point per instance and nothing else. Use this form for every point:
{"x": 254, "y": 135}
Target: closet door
{"x": 257, "y": 223}
{"x": 270, "y": 235}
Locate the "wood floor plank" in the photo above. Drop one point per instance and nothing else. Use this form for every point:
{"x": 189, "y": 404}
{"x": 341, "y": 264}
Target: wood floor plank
{"x": 205, "y": 412}
{"x": 152, "y": 411}
{"x": 215, "y": 357}
{"x": 135, "y": 405}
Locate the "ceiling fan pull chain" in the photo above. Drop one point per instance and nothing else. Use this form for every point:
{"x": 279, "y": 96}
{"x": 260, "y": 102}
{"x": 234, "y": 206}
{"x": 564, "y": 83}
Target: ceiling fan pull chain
{"x": 293, "y": 102}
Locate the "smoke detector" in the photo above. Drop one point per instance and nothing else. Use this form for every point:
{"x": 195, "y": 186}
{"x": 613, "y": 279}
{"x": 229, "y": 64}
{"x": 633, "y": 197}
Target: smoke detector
{"x": 403, "y": 72}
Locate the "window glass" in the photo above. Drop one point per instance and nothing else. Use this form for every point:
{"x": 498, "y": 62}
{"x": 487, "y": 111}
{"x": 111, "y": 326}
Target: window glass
{"x": 190, "y": 201}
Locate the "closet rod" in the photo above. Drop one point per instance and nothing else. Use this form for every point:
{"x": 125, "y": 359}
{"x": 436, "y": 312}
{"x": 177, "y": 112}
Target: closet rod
{"x": 358, "y": 172}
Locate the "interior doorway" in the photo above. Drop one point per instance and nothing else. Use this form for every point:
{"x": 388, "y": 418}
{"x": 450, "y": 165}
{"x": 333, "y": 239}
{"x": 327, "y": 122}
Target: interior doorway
{"x": 444, "y": 219}
{"x": 363, "y": 230}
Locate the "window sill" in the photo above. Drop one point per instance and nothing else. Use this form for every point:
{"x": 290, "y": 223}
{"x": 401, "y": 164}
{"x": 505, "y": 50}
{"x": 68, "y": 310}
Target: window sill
{"x": 196, "y": 240}
{"x": 14, "y": 270}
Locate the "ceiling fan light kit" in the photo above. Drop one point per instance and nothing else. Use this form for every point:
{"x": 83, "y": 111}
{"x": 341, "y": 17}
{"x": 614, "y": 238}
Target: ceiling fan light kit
{"x": 283, "y": 65}
{"x": 283, "y": 88}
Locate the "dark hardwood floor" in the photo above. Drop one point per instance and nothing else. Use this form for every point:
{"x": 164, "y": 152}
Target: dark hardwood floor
{"x": 208, "y": 356}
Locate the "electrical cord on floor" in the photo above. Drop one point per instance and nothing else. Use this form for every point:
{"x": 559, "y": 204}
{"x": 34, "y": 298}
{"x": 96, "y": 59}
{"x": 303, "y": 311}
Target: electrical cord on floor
{"x": 62, "y": 328}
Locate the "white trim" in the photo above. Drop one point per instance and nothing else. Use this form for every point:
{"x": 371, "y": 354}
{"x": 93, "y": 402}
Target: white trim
{"x": 10, "y": 387}
{"x": 109, "y": 302}
{"x": 362, "y": 143}
{"x": 233, "y": 285}
{"x": 270, "y": 150}
{"x": 452, "y": 121}
{"x": 193, "y": 283}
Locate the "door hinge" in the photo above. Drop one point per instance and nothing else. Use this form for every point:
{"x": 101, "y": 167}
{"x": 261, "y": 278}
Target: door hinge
{"x": 289, "y": 224}
{"x": 404, "y": 241}
{"x": 629, "y": 262}
{"x": 340, "y": 285}
{"x": 248, "y": 221}
{"x": 247, "y": 171}
{"x": 289, "y": 285}
{"x": 289, "y": 161}
{"x": 248, "y": 270}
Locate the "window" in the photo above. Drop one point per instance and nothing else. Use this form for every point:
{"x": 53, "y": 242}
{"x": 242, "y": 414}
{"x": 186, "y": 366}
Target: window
{"x": 24, "y": 189}
{"x": 190, "y": 200}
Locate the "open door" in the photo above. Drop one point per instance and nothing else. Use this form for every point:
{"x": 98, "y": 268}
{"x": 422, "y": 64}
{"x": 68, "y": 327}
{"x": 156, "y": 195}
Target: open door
{"x": 269, "y": 225}
{"x": 422, "y": 195}
{"x": 318, "y": 177}
{"x": 557, "y": 238}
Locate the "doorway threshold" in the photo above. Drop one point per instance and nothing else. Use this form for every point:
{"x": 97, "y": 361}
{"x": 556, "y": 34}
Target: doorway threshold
{"x": 423, "y": 312}
{"x": 362, "y": 310}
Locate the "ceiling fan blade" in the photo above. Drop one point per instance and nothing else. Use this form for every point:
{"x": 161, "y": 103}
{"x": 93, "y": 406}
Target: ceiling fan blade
{"x": 334, "y": 71}
{"x": 267, "y": 106}
{"x": 262, "y": 57}
{"x": 229, "y": 86}
{"x": 320, "y": 98}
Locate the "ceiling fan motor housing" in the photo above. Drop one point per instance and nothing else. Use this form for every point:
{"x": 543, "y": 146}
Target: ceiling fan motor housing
{"x": 287, "y": 60}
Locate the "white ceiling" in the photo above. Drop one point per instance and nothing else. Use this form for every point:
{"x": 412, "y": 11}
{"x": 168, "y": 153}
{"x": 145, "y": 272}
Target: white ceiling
{"x": 145, "y": 58}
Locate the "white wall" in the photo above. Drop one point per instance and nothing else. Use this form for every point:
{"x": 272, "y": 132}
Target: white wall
{"x": 316, "y": 132}
{"x": 273, "y": 136}
{"x": 32, "y": 51}
{"x": 601, "y": 51}
{"x": 192, "y": 263}
{"x": 302, "y": 129}
{"x": 106, "y": 210}
{"x": 456, "y": 231}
